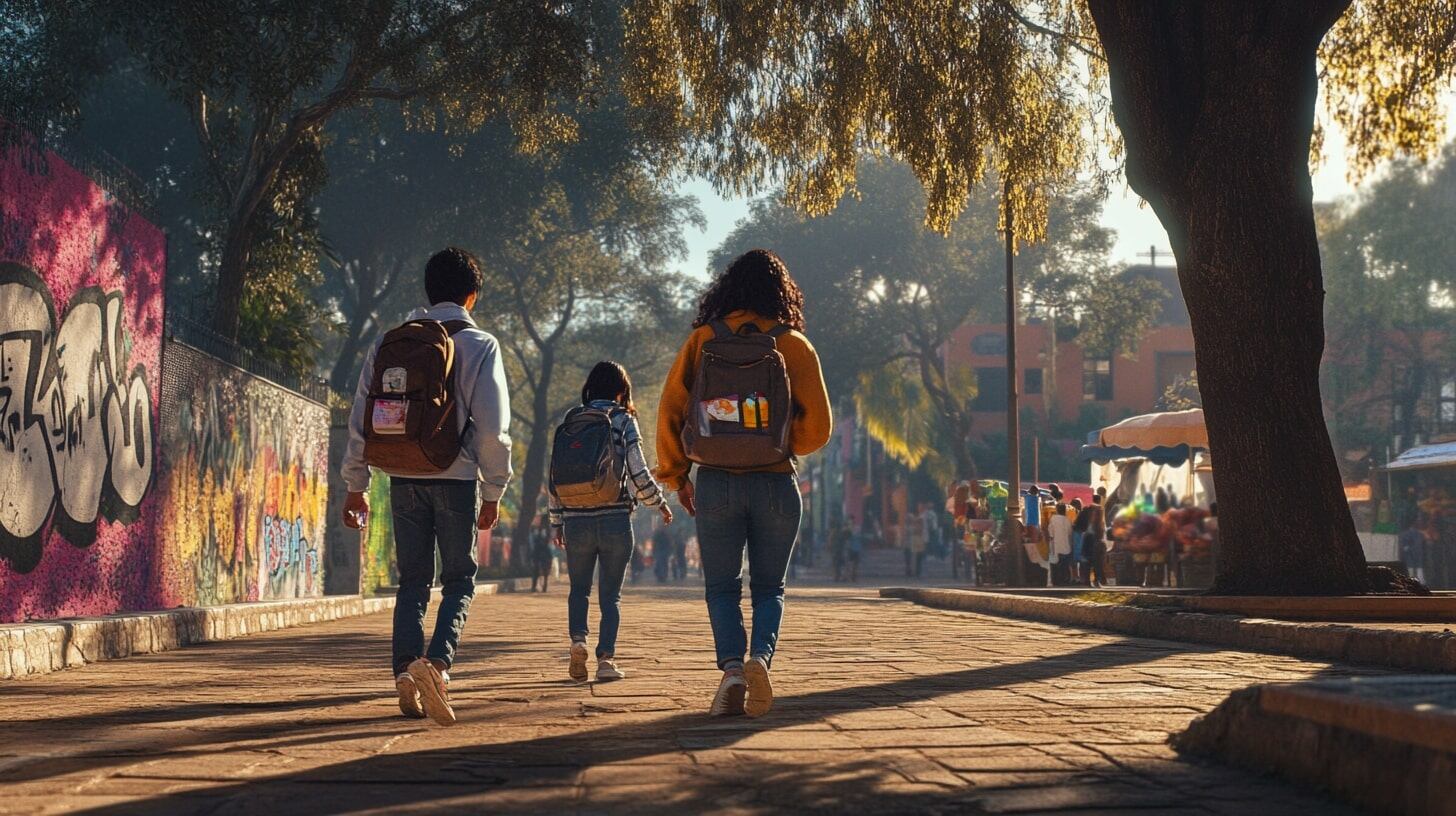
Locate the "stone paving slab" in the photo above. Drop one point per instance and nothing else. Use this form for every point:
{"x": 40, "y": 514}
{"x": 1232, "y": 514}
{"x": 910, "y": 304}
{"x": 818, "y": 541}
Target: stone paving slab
{"x": 41, "y": 647}
{"x": 1417, "y": 646}
{"x": 883, "y": 707}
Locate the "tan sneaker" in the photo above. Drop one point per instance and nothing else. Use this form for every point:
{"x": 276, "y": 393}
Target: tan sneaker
{"x": 728, "y": 702}
{"x": 607, "y": 670}
{"x": 760, "y": 690}
{"x": 577, "y": 669}
{"x": 434, "y": 695}
{"x": 409, "y": 696}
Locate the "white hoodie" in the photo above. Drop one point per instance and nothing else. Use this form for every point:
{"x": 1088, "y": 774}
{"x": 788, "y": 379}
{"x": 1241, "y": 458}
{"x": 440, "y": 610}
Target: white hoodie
{"x": 480, "y": 379}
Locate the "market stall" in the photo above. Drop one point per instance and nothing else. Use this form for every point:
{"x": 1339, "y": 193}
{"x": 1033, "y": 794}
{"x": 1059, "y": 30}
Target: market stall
{"x": 1156, "y": 542}
{"x": 1420, "y": 512}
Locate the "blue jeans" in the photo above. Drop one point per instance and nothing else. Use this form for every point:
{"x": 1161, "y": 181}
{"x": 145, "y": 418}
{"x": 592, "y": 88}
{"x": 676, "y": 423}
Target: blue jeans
{"x": 430, "y": 513}
{"x": 760, "y": 511}
{"x": 606, "y": 539}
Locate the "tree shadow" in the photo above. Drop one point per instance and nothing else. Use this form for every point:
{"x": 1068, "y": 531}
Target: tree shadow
{"x": 524, "y": 768}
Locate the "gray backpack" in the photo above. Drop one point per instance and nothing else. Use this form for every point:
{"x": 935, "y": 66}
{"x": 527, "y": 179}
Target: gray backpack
{"x": 741, "y": 400}
{"x": 585, "y": 468}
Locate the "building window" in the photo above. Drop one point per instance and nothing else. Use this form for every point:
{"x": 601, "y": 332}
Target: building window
{"x": 988, "y": 344}
{"x": 1446, "y": 404}
{"x": 1033, "y": 381}
{"x": 1097, "y": 379}
{"x": 990, "y": 389}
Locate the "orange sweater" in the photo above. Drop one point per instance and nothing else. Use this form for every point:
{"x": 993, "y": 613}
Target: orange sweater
{"x": 808, "y": 431}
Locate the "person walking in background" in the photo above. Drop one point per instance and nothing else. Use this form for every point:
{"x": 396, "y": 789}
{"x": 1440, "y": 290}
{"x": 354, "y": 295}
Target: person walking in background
{"x": 434, "y": 462}
{"x": 1094, "y": 546}
{"x": 661, "y": 554}
{"x": 598, "y": 476}
{"x": 542, "y": 544}
{"x": 1412, "y": 545}
{"x": 853, "y": 546}
{"x": 838, "y": 544}
{"x": 744, "y": 397}
{"x": 1059, "y": 531}
{"x": 679, "y": 553}
{"x": 1079, "y": 515}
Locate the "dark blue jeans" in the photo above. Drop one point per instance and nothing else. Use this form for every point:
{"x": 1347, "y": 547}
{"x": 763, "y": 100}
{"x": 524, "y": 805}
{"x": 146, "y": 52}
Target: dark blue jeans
{"x": 431, "y": 513}
{"x": 593, "y": 540}
{"x": 759, "y": 511}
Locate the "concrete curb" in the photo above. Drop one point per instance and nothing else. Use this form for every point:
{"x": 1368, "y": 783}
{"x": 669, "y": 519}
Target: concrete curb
{"x": 1384, "y": 772}
{"x": 1396, "y": 648}
{"x": 42, "y": 647}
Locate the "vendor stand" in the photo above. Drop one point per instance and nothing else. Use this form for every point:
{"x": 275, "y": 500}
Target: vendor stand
{"x": 1419, "y": 488}
{"x": 1131, "y": 460}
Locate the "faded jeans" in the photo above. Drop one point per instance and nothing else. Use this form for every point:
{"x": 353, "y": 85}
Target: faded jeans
{"x": 593, "y": 540}
{"x": 759, "y": 511}
{"x": 431, "y": 513}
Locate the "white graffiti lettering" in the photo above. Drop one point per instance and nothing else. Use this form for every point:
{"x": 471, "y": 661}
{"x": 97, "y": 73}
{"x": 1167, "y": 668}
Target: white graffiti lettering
{"x": 76, "y": 441}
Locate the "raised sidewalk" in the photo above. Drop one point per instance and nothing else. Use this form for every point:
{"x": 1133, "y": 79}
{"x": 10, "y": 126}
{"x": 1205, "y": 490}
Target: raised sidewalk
{"x": 45, "y": 646}
{"x": 1422, "y": 647}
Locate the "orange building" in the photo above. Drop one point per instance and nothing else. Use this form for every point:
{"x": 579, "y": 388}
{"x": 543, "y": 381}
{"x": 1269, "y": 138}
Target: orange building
{"x": 1058, "y": 382}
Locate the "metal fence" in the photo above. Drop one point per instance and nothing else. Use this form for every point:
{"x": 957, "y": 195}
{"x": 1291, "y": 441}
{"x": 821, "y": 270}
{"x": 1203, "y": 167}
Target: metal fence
{"x": 200, "y": 336}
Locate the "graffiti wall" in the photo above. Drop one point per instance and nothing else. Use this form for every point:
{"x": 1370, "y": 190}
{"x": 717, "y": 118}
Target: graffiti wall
{"x": 244, "y": 485}
{"x": 81, "y": 283}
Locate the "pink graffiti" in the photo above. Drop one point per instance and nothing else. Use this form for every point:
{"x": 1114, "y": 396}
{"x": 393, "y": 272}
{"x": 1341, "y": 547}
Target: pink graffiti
{"x": 81, "y": 377}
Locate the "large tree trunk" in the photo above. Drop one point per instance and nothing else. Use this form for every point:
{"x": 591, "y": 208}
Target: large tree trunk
{"x": 232, "y": 270}
{"x": 1215, "y": 102}
{"x": 533, "y": 472}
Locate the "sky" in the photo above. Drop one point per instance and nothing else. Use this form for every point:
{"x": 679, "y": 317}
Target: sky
{"x": 1136, "y": 227}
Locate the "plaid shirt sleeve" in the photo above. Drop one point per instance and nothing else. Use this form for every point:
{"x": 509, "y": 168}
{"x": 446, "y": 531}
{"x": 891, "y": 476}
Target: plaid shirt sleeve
{"x": 644, "y": 488}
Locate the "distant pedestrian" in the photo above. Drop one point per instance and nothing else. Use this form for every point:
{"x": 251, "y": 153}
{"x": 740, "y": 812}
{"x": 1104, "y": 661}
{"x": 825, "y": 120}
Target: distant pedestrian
{"x": 1094, "y": 547}
{"x": 853, "y": 547}
{"x": 598, "y": 476}
{"x": 1079, "y": 515}
{"x": 1412, "y": 545}
{"x": 745, "y": 396}
{"x": 662, "y": 554}
{"x": 1059, "y": 531}
{"x": 435, "y": 453}
{"x": 542, "y": 544}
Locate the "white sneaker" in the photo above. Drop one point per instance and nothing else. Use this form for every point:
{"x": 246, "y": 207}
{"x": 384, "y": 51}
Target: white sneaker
{"x": 577, "y": 669}
{"x": 409, "y": 696}
{"x": 607, "y": 670}
{"x": 434, "y": 695}
{"x": 728, "y": 702}
{"x": 760, "y": 690}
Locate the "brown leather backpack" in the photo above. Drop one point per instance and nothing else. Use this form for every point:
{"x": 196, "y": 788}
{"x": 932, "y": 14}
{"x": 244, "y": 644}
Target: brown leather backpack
{"x": 741, "y": 402}
{"x": 409, "y": 420}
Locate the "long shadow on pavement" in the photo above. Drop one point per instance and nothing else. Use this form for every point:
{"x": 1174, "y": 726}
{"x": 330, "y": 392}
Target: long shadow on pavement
{"x": 419, "y": 778}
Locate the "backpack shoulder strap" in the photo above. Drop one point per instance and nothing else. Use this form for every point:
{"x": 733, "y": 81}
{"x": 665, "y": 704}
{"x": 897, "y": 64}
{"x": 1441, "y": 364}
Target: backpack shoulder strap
{"x": 720, "y": 330}
{"x": 454, "y": 327}
{"x": 779, "y": 331}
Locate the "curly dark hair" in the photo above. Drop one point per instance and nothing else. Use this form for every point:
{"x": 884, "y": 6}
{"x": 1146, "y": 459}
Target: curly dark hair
{"x": 758, "y": 281}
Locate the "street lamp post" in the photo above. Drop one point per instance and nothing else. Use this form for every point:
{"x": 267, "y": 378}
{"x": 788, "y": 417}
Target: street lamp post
{"x": 1013, "y": 420}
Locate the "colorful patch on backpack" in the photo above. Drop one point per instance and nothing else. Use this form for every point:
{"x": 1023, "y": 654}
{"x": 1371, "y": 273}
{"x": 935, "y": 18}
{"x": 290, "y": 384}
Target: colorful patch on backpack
{"x": 389, "y": 416}
{"x": 394, "y": 380}
{"x": 723, "y": 409}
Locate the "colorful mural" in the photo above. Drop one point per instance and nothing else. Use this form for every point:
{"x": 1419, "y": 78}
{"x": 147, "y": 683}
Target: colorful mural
{"x": 81, "y": 289}
{"x": 379, "y": 568}
{"x": 244, "y": 481}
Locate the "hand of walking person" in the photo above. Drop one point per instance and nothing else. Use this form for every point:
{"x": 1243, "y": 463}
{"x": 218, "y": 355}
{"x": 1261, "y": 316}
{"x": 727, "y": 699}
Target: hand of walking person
{"x": 489, "y": 513}
{"x": 666, "y": 513}
{"x": 356, "y": 507}
{"x": 685, "y": 498}
{"x": 559, "y": 538}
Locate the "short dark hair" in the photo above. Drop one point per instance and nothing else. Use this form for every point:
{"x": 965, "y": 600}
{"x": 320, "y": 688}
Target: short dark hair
{"x": 452, "y": 275}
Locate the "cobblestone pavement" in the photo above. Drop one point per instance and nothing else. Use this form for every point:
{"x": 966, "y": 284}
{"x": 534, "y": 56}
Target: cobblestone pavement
{"x": 883, "y": 707}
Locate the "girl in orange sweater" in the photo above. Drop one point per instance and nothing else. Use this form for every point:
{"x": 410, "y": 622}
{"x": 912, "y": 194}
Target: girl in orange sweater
{"x": 736, "y": 507}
